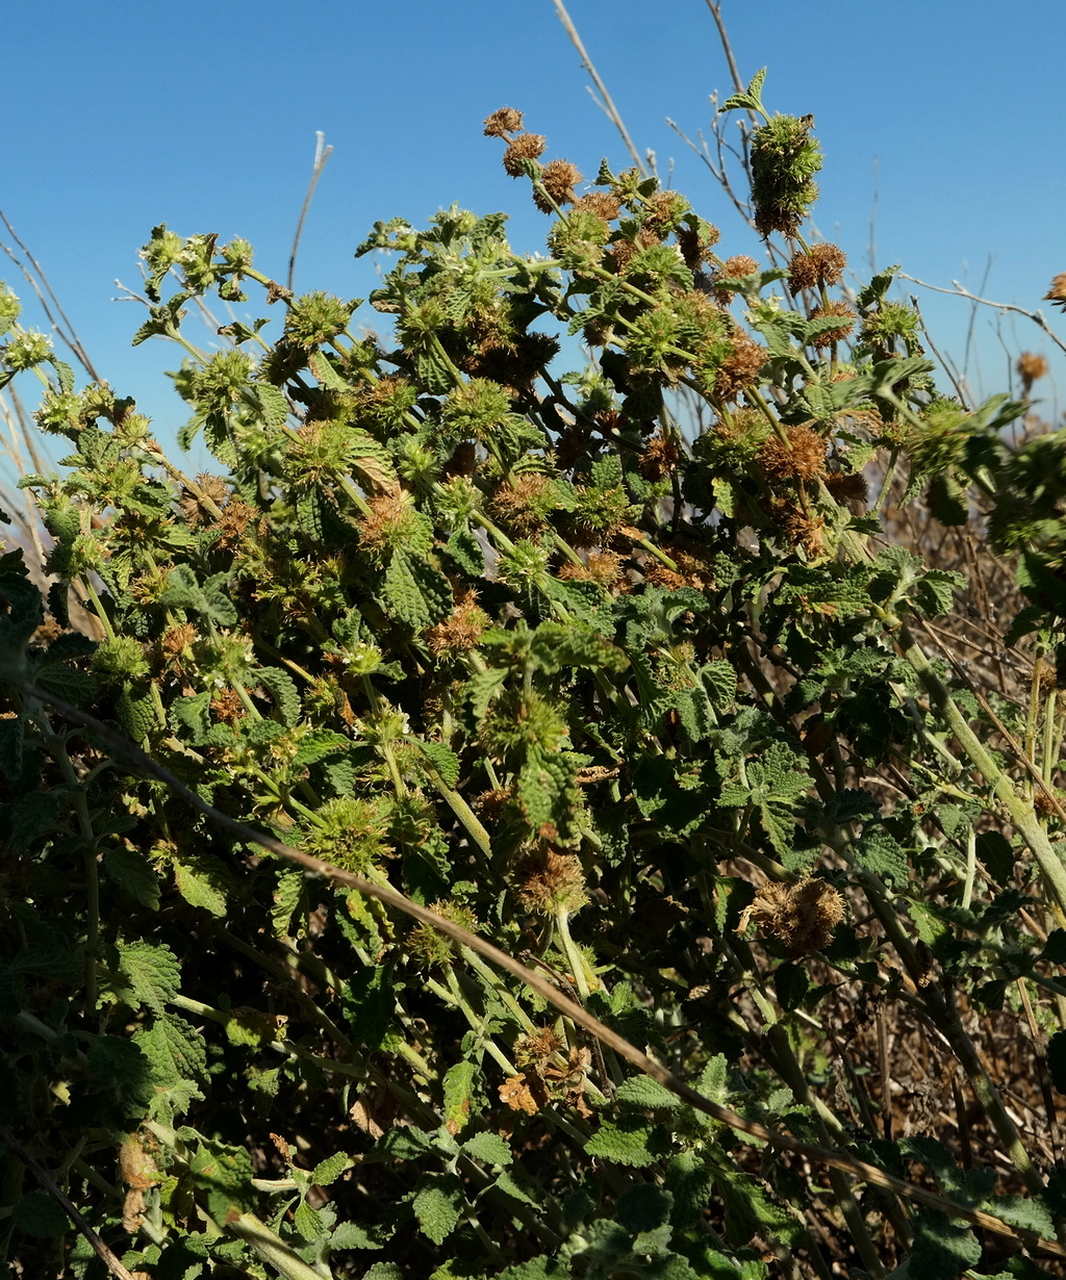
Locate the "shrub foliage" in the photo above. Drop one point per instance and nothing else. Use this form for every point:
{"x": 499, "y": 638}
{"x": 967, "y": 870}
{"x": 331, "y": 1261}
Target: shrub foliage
{"x": 623, "y": 668}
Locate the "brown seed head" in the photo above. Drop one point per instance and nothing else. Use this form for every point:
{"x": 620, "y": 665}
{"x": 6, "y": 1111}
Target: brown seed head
{"x": 821, "y": 265}
{"x": 803, "y": 530}
{"x": 227, "y": 707}
{"x": 535, "y": 1049}
{"x": 800, "y": 916}
{"x": 839, "y": 332}
{"x": 558, "y": 178}
{"x": 740, "y": 368}
{"x": 388, "y": 513}
{"x": 236, "y": 517}
{"x": 516, "y": 503}
{"x": 740, "y": 264}
{"x": 1031, "y": 366}
{"x": 660, "y": 457}
{"x": 176, "y": 644}
{"x": 553, "y": 882}
{"x": 802, "y": 458}
{"x": 1057, "y": 290}
{"x": 527, "y": 146}
{"x": 502, "y": 122}
{"x": 696, "y": 243}
{"x": 601, "y": 567}
{"x": 461, "y": 629}
{"x": 601, "y": 203}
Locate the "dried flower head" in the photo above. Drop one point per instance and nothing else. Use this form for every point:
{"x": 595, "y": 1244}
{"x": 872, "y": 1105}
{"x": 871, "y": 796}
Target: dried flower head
{"x": 553, "y": 882}
{"x": 601, "y": 203}
{"x": 834, "y": 333}
{"x": 523, "y": 503}
{"x": 664, "y": 210}
{"x": 502, "y": 122}
{"x": 802, "y": 457}
{"x": 741, "y": 264}
{"x": 391, "y": 522}
{"x": 800, "y": 916}
{"x": 176, "y": 647}
{"x": 660, "y": 457}
{"x": 740, "y": 369}
{"x": 601, "y": 567}
{"x": 516, "y": 1094}
{"x": 236, "y": 516}
{"x": 527, "y": 146}
{"x": 1031, "y": 366}
{"x": 1056, "y": 293}
{"x": 696, "y": 240}
{"x": 823, "y": 264}
{"x": 226, "y": 706}
{"x": 461, "y": 629}
{"x": 803, "y": 529}
{"x": 558, "y": 179}
{"x": 535, "y": 1049}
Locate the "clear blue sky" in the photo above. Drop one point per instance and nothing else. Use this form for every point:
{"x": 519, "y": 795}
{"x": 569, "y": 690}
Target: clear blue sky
{"x": 203, "y": 116}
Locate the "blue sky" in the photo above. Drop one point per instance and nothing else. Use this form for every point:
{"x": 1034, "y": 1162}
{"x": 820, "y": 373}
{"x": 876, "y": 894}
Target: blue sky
{"x": 943, "y": 118}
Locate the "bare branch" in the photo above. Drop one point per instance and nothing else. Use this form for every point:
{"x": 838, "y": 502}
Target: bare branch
{"x": 46, "y": 296}
{"x": 103, "y": 1252}
{"x": 958, "y": 291}
{"x": 322, "y": 154}
{"x": 613, "y": 113}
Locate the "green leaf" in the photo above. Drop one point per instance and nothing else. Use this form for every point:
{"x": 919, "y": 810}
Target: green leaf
{"x": 458, "y": 1095}
{"x": 881, "y": 853}
{"x": 287, "y": 893}
{"x": 489, "y": 1148}
{"x": 996, "y": 855}
{"x": 629, "y": 1142}
{"x": 203, "y": 881}
{"x": 643, "y": 1207}
{"x": 643, "y": 1091}
{"x": 134, "y": 876}
{"x": 283, "y": 693}
{"x": 1026, "y": 1212}
{"x": 37, "y": 1214}
{"x": 437, "y": 1207}
{"x": 307, "y": 1222}
{"x": 175, "y": 1051}
{"x": 350, "y": 1235}
{"x": 151, "y": 974}
{"x": 327, "y": 1171}
{"x": 320, "y": 745}
{"x": 509, "y": 1186}
{"x": 942, "y": 1249}
{"x": 443, "y": 760}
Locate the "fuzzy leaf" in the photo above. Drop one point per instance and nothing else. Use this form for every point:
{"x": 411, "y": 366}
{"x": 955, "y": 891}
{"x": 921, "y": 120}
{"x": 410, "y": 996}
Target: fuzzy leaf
{"x": 174, "y": 1049}
{"x": 458, "y": 1095}
{"x": 203, "y": 882}
{"x": 283, "y": 693}
{"x": 151, "y": 974}
{"x": 437, "y": 1207}
{"x": 628, "y": 1143}
{"x": 489, "y": 1148}
{"x": 134, "y": 876}
{"x": 643, "y": 1091}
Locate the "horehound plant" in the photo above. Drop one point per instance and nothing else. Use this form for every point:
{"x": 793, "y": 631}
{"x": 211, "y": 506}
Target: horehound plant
{"x": 481, "y": 731}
